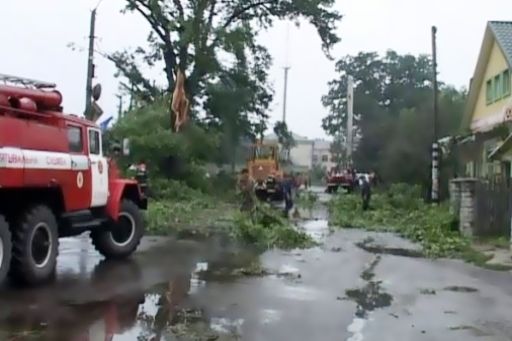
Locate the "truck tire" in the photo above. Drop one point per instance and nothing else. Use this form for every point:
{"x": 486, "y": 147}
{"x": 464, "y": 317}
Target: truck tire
{"x": 5, "y": 248}
{"x": 121, "y": 238}
{"x": 35, "y": 246}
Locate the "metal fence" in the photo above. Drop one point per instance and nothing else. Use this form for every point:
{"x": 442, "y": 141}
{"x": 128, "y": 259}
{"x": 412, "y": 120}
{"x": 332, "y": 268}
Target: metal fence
{"x": 493, "y": 205}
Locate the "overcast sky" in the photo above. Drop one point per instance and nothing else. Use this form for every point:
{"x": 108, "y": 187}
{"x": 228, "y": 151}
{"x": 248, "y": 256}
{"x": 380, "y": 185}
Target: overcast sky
{"x": 35, "y": 33}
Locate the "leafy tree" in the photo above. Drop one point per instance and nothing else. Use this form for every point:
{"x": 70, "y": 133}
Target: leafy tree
{"x": 168, "y": 155}
{"x": 190, "y": 35}
{"x": 393, "y": 97}
{"x": 284, "y": 137}
{"x": 206, "y": 39}
{"x": 236, "y": 107}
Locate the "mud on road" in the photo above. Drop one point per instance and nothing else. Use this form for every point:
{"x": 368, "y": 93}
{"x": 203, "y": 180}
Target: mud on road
{"x": 354, "y": 286}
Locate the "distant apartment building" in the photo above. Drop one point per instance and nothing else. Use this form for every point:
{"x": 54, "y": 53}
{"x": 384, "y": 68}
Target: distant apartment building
{"x": 322, "y": 155}
{"x": 301, "y": 155}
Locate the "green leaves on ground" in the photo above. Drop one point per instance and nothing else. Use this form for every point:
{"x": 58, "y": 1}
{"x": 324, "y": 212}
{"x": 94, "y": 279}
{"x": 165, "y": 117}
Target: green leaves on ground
{"x": 267, "y": 229}
{"x": 181, "y": 211}
{"x": 306, "y": 199}
{"x": 402, "y": 211}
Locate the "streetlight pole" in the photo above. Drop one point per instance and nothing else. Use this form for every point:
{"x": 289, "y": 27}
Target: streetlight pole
{"x": 435, "y": 144}
{"x": 90, "y": 66}
{"x": 285, "y": 93}
{"x": 350, "y": 119}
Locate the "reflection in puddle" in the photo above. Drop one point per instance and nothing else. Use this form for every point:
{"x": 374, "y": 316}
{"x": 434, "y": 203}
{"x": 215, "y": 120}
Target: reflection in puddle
{"x": 195, "y": 281}
{"x": 226, "y": 326}
{"x": 317, "y": 229}
{"x": 287, "y": 269}
{"x": 356, "y": 329}
{"x": 295, "y": 292}
{"x": 116, "y": 303}
{"x": 268, "y": 316}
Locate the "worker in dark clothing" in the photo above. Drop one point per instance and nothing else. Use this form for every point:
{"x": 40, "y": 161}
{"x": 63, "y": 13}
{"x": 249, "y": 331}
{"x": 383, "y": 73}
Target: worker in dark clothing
{"x": 141, "y": 175}
{"x": 288, "y": 195}
{"x": 114, "y": 172}
{"x": 246, "y": 191}
{"x": 366, "y": 192}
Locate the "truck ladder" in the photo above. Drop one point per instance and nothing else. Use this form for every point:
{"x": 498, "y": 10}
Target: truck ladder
{"x": 26, "y": 82}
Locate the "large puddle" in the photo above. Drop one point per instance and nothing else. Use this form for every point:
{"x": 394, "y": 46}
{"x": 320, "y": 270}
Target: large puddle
{"x": 119, "y": 302}
{"x": 157, "y": 296}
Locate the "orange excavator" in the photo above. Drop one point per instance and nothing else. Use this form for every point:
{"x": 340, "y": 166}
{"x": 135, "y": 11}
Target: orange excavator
{"x": 264, "y": 169}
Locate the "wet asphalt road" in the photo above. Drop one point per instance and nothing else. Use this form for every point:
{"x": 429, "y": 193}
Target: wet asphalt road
{"x": 336, "y": 291}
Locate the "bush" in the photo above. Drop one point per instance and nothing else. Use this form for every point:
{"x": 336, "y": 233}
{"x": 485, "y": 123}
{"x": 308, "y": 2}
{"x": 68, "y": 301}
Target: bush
{"x": 163, "y": 189}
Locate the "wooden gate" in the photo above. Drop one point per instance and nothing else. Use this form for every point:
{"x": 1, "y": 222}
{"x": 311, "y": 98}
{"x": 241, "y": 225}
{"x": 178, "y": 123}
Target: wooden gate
{"x": 493, "y": 206}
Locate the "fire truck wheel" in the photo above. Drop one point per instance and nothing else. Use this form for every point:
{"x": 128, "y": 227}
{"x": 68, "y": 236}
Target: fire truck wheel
{"x": 5, "y": 248}
{"x": 123, "y": 237}
{"x": 35, "y": 246}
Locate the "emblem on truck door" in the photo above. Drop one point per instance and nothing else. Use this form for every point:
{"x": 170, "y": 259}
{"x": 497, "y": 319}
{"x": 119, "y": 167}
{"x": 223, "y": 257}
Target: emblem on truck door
{"x": 100, "y": 167}
{"x": 80, "y": 179}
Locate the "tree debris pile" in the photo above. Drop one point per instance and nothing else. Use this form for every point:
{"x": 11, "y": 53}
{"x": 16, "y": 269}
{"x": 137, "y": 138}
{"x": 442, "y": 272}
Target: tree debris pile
{"x": 401, "y": 210}
{"x": 265, "y": 229}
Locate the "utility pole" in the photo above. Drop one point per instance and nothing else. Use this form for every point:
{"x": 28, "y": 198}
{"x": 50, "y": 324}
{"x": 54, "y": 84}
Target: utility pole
{"x": 435, "y": 144}
{"x": 90, "y": 66}
{"x": 350, "y": 118}
{"x": 285, "y": 95}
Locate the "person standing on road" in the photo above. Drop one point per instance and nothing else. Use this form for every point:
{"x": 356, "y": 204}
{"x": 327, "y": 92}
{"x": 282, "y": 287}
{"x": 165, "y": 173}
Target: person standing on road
{"x": 366, "y": 192}
{"x": 114, "y": 171}
{"x": 246, "y": 190}
{"x": 287, "y": 193}
{"x": 141, "y": 175}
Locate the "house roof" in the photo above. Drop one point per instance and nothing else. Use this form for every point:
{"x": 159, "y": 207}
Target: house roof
{"x": 501, "y": 32}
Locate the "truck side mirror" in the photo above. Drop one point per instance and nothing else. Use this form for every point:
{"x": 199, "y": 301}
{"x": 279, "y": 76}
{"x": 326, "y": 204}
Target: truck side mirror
{"x": 126, "y": 146}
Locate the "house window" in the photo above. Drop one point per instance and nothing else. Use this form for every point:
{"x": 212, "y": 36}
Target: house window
{"x": 325, "y": 158}
{"x": 489, "y": 91}
{"x": 497, "y": 87}
{"x": 506, "y": 83}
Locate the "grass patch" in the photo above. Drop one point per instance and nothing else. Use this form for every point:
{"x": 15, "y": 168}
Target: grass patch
{"x": 496, "y": 242}
{"x": 400, "y": 210}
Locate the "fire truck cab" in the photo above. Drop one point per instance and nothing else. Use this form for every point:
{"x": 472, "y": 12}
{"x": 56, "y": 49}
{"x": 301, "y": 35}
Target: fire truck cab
{"x": 56, "y": 182}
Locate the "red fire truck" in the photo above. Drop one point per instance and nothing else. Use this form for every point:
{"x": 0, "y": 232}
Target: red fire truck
{"x": 336, "y": 179}
{"x": 56, "y": 182}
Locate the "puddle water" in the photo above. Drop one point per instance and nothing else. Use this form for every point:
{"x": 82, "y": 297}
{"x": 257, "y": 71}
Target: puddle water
{"x": 227, "y": 326}
{"x": 394, "y": 251}
{"x": 269, "y": 316}
{"x": 317, "y": 229}
{"x": 367, "y": 299}
{"x": 120, "y": 301}
{"x": 356, "y": 329}
{"x": 460, "y": 289}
